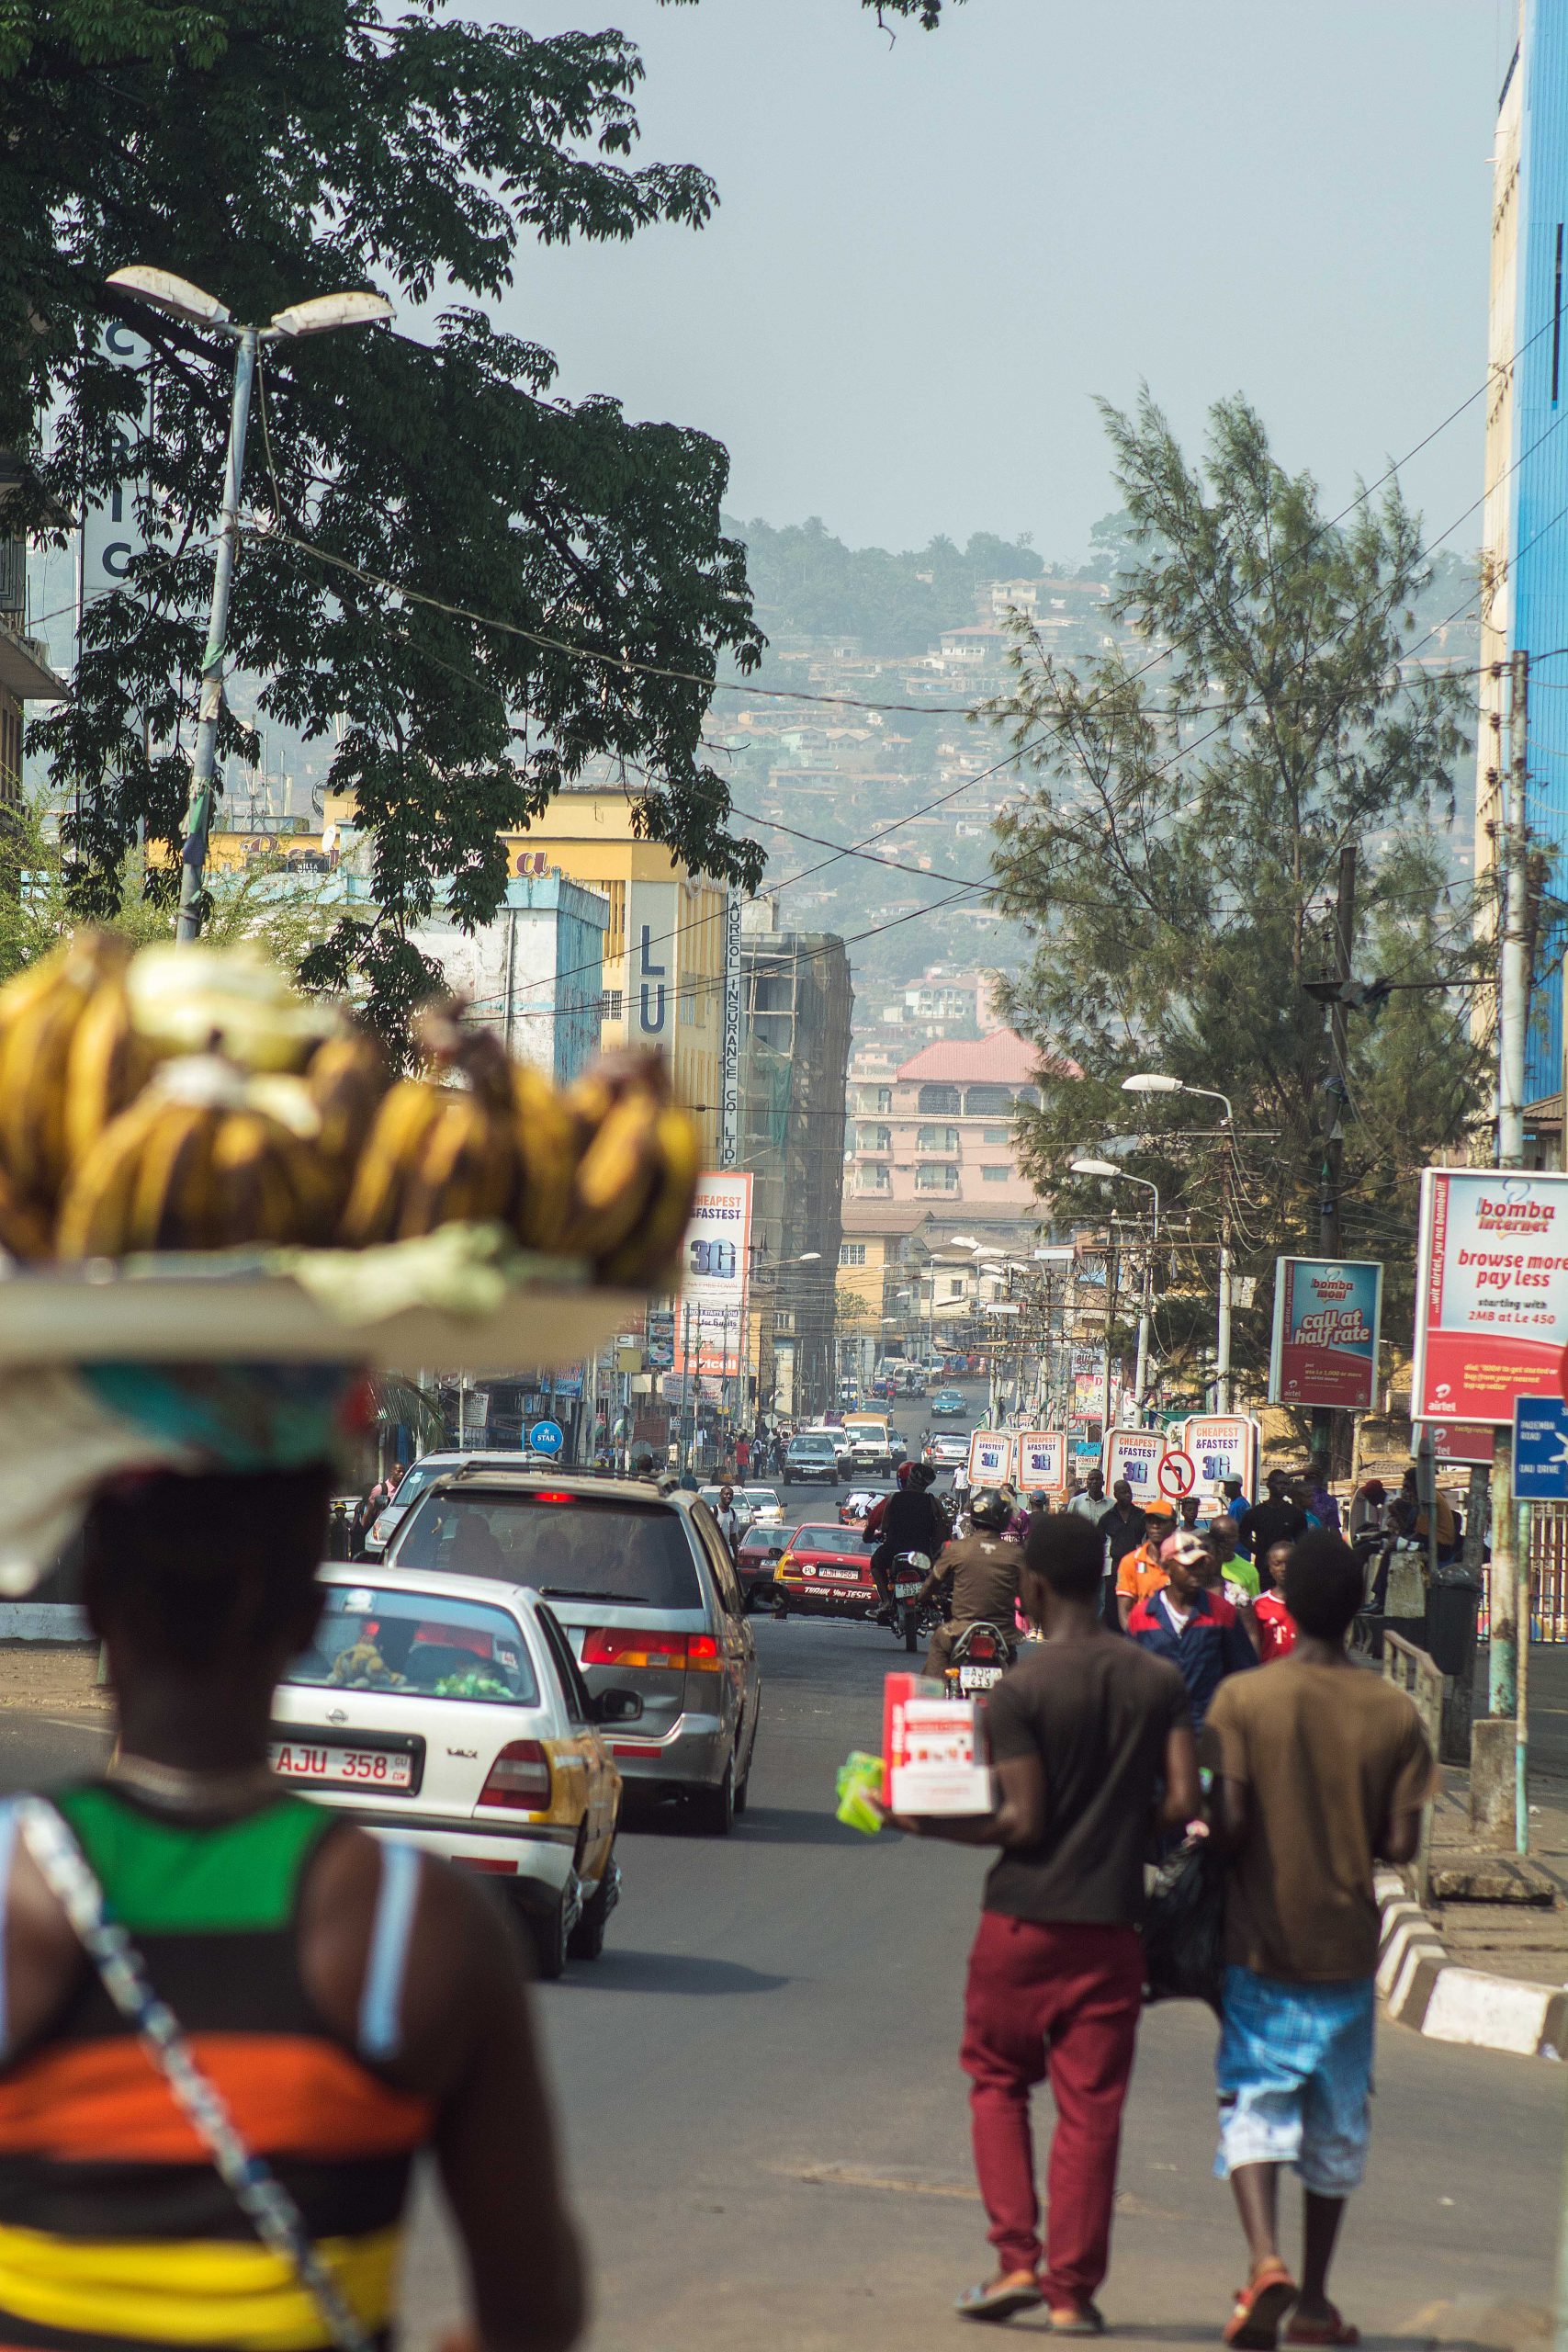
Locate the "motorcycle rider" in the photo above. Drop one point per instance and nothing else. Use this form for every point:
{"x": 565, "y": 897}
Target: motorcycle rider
{"x": 981, "y": 1571}
{"x": 911, "y": 1520}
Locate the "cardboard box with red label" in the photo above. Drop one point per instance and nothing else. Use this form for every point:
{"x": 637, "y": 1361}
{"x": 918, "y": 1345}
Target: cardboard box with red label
{"x": 934, "y": 1750}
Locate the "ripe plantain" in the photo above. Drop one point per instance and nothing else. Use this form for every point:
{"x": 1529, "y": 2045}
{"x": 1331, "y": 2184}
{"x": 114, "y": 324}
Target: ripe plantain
{"x": 467, "y": 1170}
{"x": 41, "y": 1011}
{"x": 615, "y": 1180}
{"x": 108, "y": 1064}
{"x": 407, "y": 1113}
{"x": 24, "y": 1231}
{"x": 549, "y": 1140}
{"x": 646, "y": 1253}
{"x": 347, "y": 1078}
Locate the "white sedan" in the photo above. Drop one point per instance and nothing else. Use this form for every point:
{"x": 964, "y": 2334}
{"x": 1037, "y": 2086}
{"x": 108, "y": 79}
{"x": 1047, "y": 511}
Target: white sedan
{"x": 448, "y": 1712}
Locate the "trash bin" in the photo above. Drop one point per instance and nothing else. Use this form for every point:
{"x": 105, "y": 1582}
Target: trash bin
{"x": 1453, "y": 1605}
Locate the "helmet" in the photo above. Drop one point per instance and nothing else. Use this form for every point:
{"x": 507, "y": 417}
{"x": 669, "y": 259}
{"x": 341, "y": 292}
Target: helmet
{"x": 1040, "y": 1500}
{"x": 921, "y": 1476}
{"x": 905, "y": 1470}
{"x": 988, "y": 1508}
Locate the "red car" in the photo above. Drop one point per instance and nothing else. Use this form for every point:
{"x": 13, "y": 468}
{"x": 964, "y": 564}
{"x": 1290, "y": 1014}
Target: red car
{"x": 826, "y": 1572}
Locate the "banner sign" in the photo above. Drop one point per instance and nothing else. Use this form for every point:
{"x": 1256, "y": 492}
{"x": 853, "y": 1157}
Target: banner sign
{"x": 651, "y": 962}
{"x": 1327, "y": 1314}
{"x": 1223, "y": 1445}
{"x": 1135, "y": 1455}
{"x": 1041, "y": 1460}
{"x": 711, "y": 1317}
{"x": 729, "y": 1055}
{"x": 1457, "y": 1442}
{"x": 1491, "y": 1293}
{"x": 990, "y": 1458}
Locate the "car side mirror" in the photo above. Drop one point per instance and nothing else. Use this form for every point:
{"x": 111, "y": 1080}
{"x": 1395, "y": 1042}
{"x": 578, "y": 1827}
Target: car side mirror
{"x": 616, "y": 1706}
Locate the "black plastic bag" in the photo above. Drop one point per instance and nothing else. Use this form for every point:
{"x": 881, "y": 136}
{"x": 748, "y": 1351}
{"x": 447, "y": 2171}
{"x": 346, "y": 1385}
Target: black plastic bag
{"x": 1184, "y": 1926}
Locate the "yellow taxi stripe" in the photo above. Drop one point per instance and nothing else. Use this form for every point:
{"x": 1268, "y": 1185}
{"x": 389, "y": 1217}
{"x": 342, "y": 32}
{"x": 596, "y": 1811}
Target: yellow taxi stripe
{"x": 188, "y": 2290}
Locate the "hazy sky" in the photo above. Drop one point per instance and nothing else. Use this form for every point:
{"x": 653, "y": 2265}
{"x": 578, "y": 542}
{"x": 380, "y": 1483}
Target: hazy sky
{"x": 932, "y": 254}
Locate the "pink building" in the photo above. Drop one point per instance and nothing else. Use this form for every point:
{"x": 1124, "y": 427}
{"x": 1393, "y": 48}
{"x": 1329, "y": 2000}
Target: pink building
{"x": 939, "y": 1130}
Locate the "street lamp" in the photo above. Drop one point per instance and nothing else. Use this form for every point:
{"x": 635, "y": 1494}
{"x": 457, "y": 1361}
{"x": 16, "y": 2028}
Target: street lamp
{"x": 1107, "y": 1168}
{"x": 1154, "y": 1082}
{"x": 162, "y": 290}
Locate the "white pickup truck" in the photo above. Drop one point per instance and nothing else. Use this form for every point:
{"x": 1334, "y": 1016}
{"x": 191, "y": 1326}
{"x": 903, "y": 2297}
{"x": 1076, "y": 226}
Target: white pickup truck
{"x": 873, "y": 1443}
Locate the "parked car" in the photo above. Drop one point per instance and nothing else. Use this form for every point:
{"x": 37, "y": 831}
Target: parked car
{"x": 448, "y": 1712}
{"x": 425, "y": 1471}
{"x": 645, "y": 1587}
{"x": 826, "y": 1572}
{"x": 948, "y": 1405}
{"x": 856, "y": 1504}
{"x": 815, "y": 1454}
{"x": 948, "y": 1450}
{"x": 757, "y": 1561}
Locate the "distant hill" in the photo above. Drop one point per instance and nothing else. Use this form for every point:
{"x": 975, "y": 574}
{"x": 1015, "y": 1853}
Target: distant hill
{"x": 808, "y": 583}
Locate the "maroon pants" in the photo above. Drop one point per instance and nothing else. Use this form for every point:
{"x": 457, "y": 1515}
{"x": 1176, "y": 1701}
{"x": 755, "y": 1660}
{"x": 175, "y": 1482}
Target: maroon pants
{"x": 1060, "y": 2001}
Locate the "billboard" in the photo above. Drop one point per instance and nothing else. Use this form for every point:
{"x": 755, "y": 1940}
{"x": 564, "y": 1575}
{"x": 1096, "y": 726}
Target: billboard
{"x": 1461, "y": 1442}
{"x": 1491, "y": 1293}
{"x": 1041, "y": 1460}
{"x": 1223, "y": 1445}
{"x": 990, "y": 1458}
{"x": 1135, "y": 1455}
{"x": 1327, "y": 1314}
{"x": 652, "y": 961}
{"x": 710, "y": 1317}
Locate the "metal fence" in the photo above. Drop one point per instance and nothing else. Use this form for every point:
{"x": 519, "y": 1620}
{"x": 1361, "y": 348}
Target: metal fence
{"x": 1548, "y": 1576}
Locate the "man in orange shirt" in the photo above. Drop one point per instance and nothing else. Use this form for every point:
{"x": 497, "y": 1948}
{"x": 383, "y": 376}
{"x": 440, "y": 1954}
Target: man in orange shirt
{"x": 1140, "y": 1576}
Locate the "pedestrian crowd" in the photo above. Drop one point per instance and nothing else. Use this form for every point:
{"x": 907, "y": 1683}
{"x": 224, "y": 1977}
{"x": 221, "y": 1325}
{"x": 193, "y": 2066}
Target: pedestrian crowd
{"x": 1191, "y": 1703}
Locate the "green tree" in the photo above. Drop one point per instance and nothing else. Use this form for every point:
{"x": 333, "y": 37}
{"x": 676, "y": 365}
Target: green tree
{"x": 1175, "y": 853}
{"x": 276, "y": 149}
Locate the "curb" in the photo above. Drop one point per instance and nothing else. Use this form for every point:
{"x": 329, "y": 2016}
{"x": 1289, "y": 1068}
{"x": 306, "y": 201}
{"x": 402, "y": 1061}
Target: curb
{"x": 1422, "y": 1988}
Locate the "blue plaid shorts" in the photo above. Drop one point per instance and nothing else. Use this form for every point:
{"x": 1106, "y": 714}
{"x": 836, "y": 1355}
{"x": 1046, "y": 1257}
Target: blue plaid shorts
{"x": 1295, "y": 2076}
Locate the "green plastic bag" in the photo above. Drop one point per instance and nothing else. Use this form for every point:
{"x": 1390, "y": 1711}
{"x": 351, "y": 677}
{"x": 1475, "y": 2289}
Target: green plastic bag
{"x": 860, "y": 1782}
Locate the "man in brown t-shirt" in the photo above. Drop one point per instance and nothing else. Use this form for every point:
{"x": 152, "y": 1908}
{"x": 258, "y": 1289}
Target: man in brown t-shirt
{"x": 1323, "y": 1767}
{"x": 1092, "y": 1745}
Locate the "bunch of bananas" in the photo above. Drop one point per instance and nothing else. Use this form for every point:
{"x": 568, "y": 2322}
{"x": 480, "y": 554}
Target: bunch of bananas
{"x": 191, "y": 1099}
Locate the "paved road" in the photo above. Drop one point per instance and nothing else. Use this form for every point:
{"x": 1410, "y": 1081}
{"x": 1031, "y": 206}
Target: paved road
{"x": 767, "y": 2128}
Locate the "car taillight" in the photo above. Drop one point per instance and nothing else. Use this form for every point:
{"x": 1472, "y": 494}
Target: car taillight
{"x": 982, "y": 1647}
{"x": 549, "y": 1495}
{"x": 632, "y": 1645}
{"x": 384, "y": 1525}
{"x": 520, "y": 1778}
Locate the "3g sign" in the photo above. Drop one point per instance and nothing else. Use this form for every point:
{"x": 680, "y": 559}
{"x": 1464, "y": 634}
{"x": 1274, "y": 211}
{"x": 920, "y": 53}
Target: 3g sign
{"x": 715, "y": 1260}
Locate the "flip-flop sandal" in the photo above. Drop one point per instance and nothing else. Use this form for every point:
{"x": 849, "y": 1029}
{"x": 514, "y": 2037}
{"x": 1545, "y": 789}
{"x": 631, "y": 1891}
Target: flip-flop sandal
{"x": 1261, "y": 2305}
{"x": 1076, "y": 2318}
{"x": 1332, "y": 2330}
{"x": 997, "y": 2299}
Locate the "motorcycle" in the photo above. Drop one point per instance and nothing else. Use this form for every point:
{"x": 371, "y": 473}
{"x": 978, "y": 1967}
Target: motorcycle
{"x": 979, "y": 1657}
{"x": 908, "y": 1580}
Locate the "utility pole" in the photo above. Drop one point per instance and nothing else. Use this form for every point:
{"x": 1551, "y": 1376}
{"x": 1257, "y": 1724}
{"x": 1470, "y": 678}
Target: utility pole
{"x": 1330, "y": 1232}
{"x": 1110, "y": 1323}
{"x": 1510, "y": 1557}
{"x": 1223, "y": 1335}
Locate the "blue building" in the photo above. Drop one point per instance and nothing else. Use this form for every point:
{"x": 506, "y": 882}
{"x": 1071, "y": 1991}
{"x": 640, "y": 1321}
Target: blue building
{"x": 1524, "y": 579}
{"x": 534, "y": 972}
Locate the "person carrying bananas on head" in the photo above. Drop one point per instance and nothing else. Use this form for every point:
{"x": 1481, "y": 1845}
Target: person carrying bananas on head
{"x": 352, "y": 2003}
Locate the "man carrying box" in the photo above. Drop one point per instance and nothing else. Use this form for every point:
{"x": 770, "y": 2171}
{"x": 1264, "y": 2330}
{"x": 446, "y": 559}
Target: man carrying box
{"x": 1056, "y": 1976}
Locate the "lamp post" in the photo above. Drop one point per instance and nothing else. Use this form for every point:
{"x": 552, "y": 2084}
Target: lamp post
{"x": 1151, "y": 1082}
{"x": 1122, "y": 1175}
{"x": 164, "y": 292}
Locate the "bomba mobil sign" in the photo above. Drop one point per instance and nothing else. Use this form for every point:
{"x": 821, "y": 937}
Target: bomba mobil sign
{"x": 990, "y": 1458}
{"x": 1491, "y": 1293}
{"x": 1041, "y": 1460}
{"x": 1135, "y": 1455}
{"x": 1327, "y": 1312}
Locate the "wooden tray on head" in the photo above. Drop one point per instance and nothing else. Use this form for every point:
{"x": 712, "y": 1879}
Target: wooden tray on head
{"x": 238, "y": 1309}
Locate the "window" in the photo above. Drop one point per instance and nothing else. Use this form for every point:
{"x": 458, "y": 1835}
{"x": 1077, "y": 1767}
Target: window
{"x": 425, "y": 1644}
{"x": 990, "y": 1102}
{"x": 936, "y": 1177}
{"x": 616, "y": 1550}
{"x": 884, "y": 1097}
{"x": 937, "y": 1139}
{"x": 873, "y": 1180}
{"x": 941, "y": 1102}
{"x": 851, "y": 1253}
{"x": 874, "y": 1140}
{"x": 996, "y": 1135}
{"x": 955, "y": 1286}
{"x": 995, "y": 1175}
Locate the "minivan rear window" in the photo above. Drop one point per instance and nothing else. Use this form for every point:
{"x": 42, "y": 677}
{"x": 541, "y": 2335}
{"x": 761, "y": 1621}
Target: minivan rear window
{"x": 584, "y": 1549}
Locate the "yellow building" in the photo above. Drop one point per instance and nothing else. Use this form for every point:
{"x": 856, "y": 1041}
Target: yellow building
{"x": 664, "y": 947}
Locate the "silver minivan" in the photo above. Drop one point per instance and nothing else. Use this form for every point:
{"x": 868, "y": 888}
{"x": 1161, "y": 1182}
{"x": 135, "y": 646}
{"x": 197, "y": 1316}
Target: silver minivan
{"x": 644, "y": 1586}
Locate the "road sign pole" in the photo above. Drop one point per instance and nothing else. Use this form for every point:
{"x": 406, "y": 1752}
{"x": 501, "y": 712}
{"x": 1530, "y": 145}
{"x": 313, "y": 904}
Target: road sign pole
{"x": 1521, "y": 1684}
